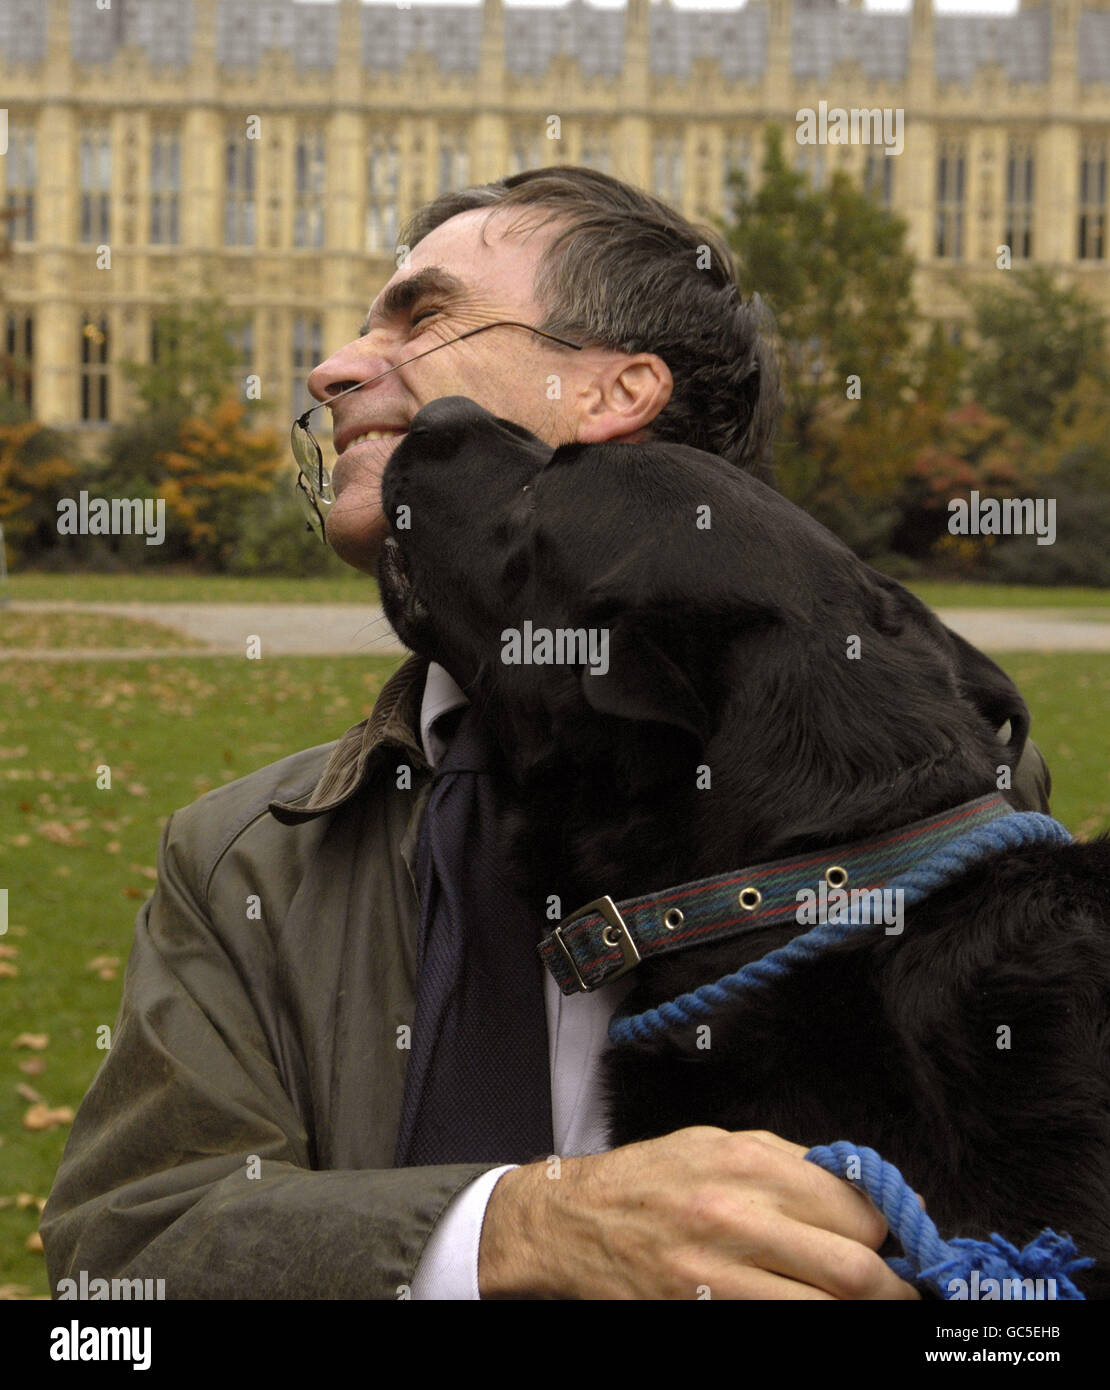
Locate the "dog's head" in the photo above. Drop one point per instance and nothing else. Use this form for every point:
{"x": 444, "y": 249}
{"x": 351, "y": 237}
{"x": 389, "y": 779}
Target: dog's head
{"x": 647, "y": 614}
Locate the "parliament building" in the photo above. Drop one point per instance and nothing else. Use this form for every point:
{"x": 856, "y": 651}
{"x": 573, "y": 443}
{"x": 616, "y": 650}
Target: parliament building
{"x": 267, "y": 151}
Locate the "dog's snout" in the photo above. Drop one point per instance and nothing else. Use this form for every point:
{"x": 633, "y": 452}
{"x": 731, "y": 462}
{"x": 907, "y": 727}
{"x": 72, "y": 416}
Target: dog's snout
{"x": 448, "y": 413}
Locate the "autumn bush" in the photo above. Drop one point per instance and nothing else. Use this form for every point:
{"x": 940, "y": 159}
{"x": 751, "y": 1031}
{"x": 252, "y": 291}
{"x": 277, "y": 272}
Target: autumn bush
{"x": 36, "y": 469}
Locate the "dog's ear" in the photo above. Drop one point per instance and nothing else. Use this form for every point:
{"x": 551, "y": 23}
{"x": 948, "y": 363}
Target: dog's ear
{"x": 641, "y": 680}
{"x": 992, "y": 692}
{"x": 980, "y": 680}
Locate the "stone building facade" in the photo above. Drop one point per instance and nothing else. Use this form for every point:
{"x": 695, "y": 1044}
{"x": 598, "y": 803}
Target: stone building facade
{"x": 268, "y": 150}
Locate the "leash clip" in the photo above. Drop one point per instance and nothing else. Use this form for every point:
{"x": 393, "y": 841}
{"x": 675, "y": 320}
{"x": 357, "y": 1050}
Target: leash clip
{"x": 614, "y": 934}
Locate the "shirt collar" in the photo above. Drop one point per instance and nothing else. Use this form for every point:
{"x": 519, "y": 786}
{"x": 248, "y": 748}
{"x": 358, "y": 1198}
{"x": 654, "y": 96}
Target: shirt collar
{"x": 441, "y": 695}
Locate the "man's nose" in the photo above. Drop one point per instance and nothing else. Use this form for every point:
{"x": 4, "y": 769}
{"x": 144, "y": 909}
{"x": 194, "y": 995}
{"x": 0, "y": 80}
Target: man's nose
{"x": 357, "y": 361}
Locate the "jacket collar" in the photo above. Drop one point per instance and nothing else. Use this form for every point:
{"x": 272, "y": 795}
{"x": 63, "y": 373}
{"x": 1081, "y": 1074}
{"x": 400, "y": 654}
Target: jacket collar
{"x": 394, "y": 723}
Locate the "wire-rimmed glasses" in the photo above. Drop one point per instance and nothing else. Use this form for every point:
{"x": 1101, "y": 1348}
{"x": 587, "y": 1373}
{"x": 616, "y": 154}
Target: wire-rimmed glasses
{"x": 314, "y": 491}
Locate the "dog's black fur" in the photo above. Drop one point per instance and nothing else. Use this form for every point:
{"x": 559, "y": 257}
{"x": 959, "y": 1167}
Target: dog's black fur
{"x": 729, "y": 650}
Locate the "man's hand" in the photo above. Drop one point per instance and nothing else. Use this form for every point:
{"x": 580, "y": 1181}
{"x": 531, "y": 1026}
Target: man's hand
{"x": 742, "y": 1215}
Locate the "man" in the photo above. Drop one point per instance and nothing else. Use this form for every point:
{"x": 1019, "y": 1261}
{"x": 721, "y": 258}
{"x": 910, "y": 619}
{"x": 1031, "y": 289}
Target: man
{"x": 240, "y": 1137}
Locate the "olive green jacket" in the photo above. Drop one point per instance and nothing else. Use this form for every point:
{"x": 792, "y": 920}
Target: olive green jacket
{"x": 238, "y": 1138}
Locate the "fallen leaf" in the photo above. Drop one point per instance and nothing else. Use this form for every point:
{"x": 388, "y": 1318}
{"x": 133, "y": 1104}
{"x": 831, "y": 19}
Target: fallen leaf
{"x": 100, "y": 962}
{"x": 34, "y": 1242}
{"x": 11, "y": 1292}
{"x": 106, "y": 974}
{"x": 58, "y": 833}
{"x": 8, "y": 952}
{"x": 27, "y": 1092}
{"x": 33, "y": 1066}
{"x": 37, "y": 1041}
{"x": 24, "y": 1199}
{"x": 112, "y": 847}
{"x": 21, "y": 840}
{"x": 133, "y": 893}
{"x": 41, "y": 1117}
{"x": 137, "y": 789}
{"x": 8, "y": 971}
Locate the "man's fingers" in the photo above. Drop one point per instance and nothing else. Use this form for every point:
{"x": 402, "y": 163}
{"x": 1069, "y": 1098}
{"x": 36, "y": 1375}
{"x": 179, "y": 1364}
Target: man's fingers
{"x": 757, "y": 1285}
{"x": 817, "y": 1197}
{"x": 774, "y": 1141}
{"x": 841, "y": 1267}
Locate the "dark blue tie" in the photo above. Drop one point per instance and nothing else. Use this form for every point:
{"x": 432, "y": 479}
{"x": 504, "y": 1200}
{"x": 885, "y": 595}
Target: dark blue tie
{"x": 478, "y": 1084}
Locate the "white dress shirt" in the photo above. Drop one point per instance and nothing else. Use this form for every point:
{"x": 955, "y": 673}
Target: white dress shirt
{"x": 577, "y": 1034}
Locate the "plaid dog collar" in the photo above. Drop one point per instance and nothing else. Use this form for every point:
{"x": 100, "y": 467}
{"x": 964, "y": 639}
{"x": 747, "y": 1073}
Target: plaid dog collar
{"x": 604, "y": 940}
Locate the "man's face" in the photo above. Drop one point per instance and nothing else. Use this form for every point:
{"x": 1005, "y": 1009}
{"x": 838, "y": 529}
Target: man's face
{"x": 454, "y": 281}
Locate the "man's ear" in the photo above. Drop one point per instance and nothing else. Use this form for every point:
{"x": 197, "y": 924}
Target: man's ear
{"x": 641, "y": 681}
{"x": 626, "y": 395}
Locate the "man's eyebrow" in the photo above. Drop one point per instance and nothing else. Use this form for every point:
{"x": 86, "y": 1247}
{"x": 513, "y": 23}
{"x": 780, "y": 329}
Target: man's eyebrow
{"x": 433, "y": 279}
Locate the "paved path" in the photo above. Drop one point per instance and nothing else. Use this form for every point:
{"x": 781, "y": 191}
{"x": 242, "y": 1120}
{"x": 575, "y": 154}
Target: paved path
{"x": 283, "y": 629}
{"x": 351, "y": 629}
{"x": 1032, "y": 629}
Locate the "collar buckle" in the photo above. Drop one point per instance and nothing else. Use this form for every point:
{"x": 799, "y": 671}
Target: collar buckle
{"x": 614, "y": 934}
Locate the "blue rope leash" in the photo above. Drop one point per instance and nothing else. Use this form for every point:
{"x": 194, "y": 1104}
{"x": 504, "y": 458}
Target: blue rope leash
{"x": 933, "y": 872}
{"x": 955, "y": 1269}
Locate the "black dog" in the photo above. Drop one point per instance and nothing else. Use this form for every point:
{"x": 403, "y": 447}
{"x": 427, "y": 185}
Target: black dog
{"x": 828, "y": 705}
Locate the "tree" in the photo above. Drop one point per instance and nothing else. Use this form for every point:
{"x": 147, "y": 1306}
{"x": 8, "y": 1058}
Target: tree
{"x": 1074, "y": 473}
{"x": 833, "y": 267}
{"x": 193, "y": 444}
{"x": 1036, "y": 340}
{"x": 196, "y": 360}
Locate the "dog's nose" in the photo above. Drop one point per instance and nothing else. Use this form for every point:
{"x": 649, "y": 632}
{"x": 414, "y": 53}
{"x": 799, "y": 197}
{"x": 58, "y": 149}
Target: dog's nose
{"x": 448, "y": 413}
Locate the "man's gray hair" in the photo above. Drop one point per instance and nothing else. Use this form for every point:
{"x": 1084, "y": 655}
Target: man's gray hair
{"x": 627, "y": 272}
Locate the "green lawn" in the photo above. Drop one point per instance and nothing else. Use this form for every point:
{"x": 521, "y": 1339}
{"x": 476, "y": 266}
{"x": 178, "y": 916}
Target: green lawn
{"x": 353, "y": 587}
{"x": 79, "y": 861}
{"x": 947, "y": 595}
{"x": 84, "y": 631}
{"x": 349, "y": 587}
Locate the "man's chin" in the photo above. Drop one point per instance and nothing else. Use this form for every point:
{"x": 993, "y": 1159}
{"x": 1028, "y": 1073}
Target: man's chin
{"x": 355, "y": 531}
